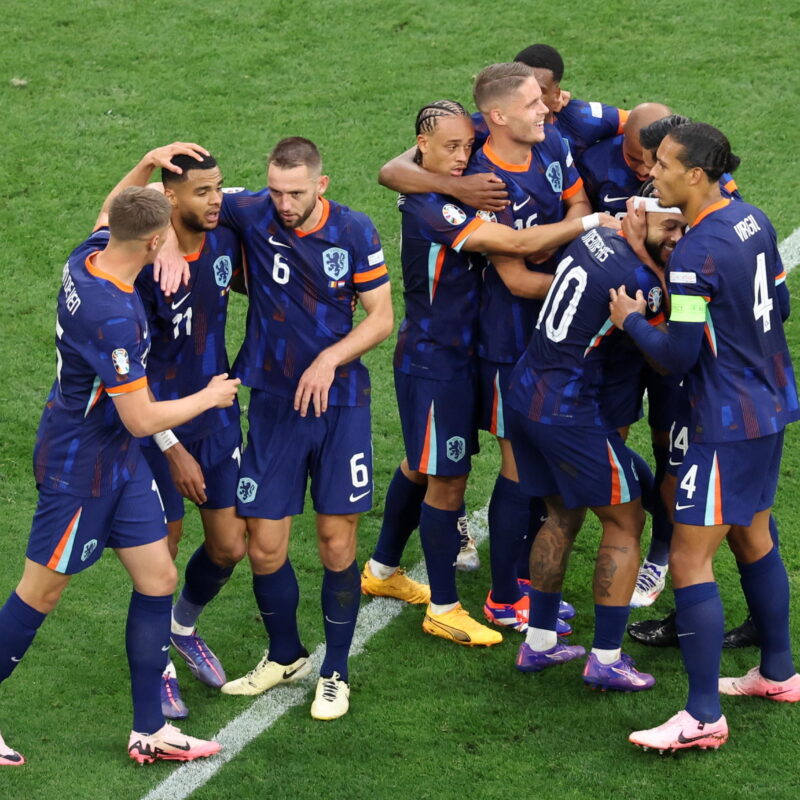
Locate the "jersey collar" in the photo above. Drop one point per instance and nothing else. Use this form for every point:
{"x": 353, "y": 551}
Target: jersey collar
{"x": 106, "y": 276}
{"x": 710, "y": 210}
{"x": 326, "y": 210}
{"x": 495, "y": 159}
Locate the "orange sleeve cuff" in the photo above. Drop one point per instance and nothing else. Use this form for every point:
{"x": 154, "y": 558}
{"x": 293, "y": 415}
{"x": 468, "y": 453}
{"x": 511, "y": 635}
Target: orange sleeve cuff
{"x": 574, "y": 189}
{"x": 124, "y": 388}
{"x": 370, "y": 275}
{"x": 623, "y": 118}
{"x": 466, "y": 231}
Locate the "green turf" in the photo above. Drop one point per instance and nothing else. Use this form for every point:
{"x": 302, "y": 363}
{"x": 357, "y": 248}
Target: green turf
{"x": 86, "y": 89}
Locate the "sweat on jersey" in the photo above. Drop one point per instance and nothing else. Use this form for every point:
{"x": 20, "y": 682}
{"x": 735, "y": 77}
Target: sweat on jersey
{"x": 102, "y": 340}
{"x": 188, "y": 330}
{"x": 559, "y": 378}
{"x": 301, "y": 286}
{"x": 536, "y": 192}
{"x": 441, "y": 288}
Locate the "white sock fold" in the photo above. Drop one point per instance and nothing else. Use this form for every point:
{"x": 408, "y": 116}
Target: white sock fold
{"x": 540, "y": 639}
{"x": 381, "y": 571}
{"x": 606, "y": 657}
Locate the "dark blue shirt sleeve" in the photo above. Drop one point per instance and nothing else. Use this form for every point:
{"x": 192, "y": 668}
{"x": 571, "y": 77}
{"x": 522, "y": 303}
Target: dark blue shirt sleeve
{"x": 675, "y": 350}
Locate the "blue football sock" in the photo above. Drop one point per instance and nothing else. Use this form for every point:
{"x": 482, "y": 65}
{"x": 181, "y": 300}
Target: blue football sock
{"x": 440, "y": 543}
{"x": 609, "y": 626}
{"x": 544, "y": 609}
{"x": 509, "y": 513}
{"x": 277, "y": 597}
{"x": 203, "y": 581}
{"x": 646, "y": 480}
{"x": 18, "y": 625}
{"x": 341, "y": 596}
{"x": 701, "y": 626}
{"x": 401, "y": 511}
{"x": 147, "y": 646}
{"x": 766, "y": 589}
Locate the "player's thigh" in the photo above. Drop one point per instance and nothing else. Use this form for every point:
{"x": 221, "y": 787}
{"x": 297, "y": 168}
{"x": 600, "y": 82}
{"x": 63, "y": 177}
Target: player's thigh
{"x": 151, "y": 567}
{"x": 337, "y": 536}
{"x": 341, "y": 461}
{"x": 691, "y": 552}
{"x": 439, "y": 423}
{"x": 268, "y": 543}
{"x": 750, "y": 543}
{"x": 274, "y": 469}
{"x": 533, "y": 472}
{"x": 41, "y": 587}
{"x": 225, "y": 535}
{"x": 727, "y": 482}
{"x": 621, "y": 522}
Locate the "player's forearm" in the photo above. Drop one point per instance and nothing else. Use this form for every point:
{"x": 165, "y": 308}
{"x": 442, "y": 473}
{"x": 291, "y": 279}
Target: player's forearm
{"x": 675, "y": 350}
{"x": 138, "y": 176}
{"x": 578, "y": 206}
{"x": 369, "y": 333}
{"x": 521, "y": 281}
{"x": 146, "y": 419}
{"x": 402, "y": 174}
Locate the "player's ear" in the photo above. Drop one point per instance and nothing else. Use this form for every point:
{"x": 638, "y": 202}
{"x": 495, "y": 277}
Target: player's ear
{"x": 422, "y": 143}
{"x": 322, "y": 184}
{"x": 496, "y": 115}
{"x": 170, "y": 195}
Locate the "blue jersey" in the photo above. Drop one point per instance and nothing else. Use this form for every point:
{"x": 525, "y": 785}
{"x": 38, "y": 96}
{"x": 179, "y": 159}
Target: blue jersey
{"x": 559, "y": 377}
{"x": 438, "y": 336}
{"x": 301, "y": 287}
{"x": 188, "y": 330}
{"x": 102, "y": 339}
{"x": 743, "y": 384}
{"x": 609, "y": 179}
{"x": 581, "y": 123}
{"x": 536, "y": 190}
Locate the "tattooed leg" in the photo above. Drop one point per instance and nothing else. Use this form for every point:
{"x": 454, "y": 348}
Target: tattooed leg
{"x": 618, "y": 555}
{"x": 553, "y": 544}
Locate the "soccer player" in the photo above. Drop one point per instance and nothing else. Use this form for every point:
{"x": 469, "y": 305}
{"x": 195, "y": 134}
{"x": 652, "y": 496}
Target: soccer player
{"x": 567, "y": 452}
{"x": 95, "y": 490}
{"x": 536, "y": 166}
{"x": 307, "y": 258}
{"x": 728, "y": 303}
{"x": 436, "y": 373}
{"x": 614, "y": 169}
{"x": 200, "y": 459}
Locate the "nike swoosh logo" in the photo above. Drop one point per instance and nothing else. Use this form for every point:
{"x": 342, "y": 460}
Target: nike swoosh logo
{"x": 185, "y": 746}
{"x": 780, "y": 691}
{"x": 336, "y": 622}
{"x": 181, "y": 301}
{"x": 679, "y": 507}
{"x": 164, "y": 649}
{"x": 288, "y": 673}
{"x": 685, "y": 740}
{"x": 15, "y": 659}
{"x": 675, "y": 463}
{"x": 518, "y": 206}
{"x": 355, "y": 497}
{"x": 608, "y": 199}
{"x": 276, "y": 243}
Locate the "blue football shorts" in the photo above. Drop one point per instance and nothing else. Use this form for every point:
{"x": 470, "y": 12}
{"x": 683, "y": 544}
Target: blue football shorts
{"x": 218, "y": 455}
{"x": 284, "y": 450}
{"x": 69, "y": 533}
{"x": 439, "y": 422}
{"x": 726, "y": 483}
{"x": 494, "y": 378}
{"x": 586, "y": 466}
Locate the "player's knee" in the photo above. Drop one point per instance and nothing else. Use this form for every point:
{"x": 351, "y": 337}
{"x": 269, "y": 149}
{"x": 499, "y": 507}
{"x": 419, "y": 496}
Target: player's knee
{"x": 228, "y": 553}
{"x": 265, "y": 557}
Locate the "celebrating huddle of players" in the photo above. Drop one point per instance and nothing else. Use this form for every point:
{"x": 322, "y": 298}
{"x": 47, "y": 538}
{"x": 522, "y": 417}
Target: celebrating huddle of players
{"x": 559, "y": 259}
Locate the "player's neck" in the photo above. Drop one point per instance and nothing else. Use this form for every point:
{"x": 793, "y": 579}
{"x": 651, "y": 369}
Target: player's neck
{"x": 314, "y": 218}
{"x": 118, "y": 261}
{"x": 508, "y": 149}
{"x": 697, "y": 205}
{"x": 189, "y": 241}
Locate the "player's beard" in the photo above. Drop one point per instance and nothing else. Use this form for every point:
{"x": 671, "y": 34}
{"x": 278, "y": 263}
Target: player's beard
{"x": 296, "y": 222}
{"x": 196, "y": 224}
{"x": 658, "y": 252}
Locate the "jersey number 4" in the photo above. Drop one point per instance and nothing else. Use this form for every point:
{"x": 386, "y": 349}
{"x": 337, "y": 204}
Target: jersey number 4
{"x": 762, "y": 306}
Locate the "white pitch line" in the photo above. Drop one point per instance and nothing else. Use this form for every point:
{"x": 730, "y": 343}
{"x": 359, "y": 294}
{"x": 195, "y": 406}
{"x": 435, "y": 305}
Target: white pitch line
{"x": 372, "y": 619}
{"x": 271, "y": 706}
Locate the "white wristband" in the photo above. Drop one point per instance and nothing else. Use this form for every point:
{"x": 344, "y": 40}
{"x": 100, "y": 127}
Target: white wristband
{"x": 165, "y": 439}
{"x": 590, "y": 221}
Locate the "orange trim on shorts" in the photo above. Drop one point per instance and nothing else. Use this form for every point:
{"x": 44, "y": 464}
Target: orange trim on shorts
{"x": 62, "y": 542}
{"x": 710, "y": 210}
{"x": 326, "y": 210}
{"x": 124, "y": 388}
{"x": 718, "y": 496}
{"x": 426, "y": 445}
{"x": 574, "y": 189}
{"x": 370, "y": 274}
{"x": 616, "y": 488}
{"x": 106, "y": 276}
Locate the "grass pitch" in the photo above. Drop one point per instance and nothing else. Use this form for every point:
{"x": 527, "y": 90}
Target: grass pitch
{"x": 87, "y": 89}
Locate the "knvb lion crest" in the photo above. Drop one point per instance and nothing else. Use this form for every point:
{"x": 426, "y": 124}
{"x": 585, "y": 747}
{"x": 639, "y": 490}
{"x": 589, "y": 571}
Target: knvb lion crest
{"x": 88, "y": 549}
{"x": 456, "y": 448}
{"x": 554, "y": 177}
{"x": 223, "y": 271}
{"x": 335, "y": 262}
{"x": 246, "y": 490}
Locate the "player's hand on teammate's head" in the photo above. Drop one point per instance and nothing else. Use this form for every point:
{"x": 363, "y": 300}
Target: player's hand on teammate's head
{"x": 161, "y": 157}
{"x": 484, "y": 191}
{"x": 609, "y": 221}
{"x": 622, "y": 304}
{"x": 169, "y": 266}
{"x": 222, "y": 390}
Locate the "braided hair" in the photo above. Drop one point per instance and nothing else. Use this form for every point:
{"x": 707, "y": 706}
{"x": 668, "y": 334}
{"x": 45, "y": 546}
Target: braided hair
{"x": 651, "y": 135}
{"x": 428, "y": 117}
{"x": 706, "y": 147}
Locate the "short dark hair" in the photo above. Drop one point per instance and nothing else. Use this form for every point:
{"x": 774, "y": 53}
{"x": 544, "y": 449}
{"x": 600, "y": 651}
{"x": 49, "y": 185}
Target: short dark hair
{"x": 295, "y": 151}
{"x": 429, "y": 115}
{"x": 499, "y": 80}
{"x": 704, "y": 146}
{"x": 542, "y": 56}
{"x": 651, "y": 135}
{"x": 185, "y": 163}
{"x": 138, "y": 212}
